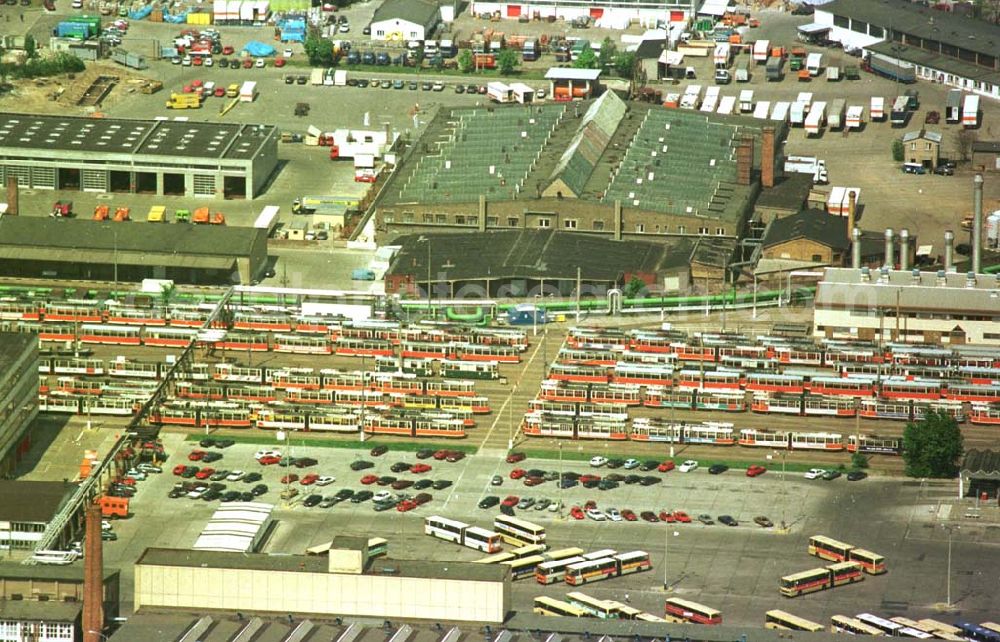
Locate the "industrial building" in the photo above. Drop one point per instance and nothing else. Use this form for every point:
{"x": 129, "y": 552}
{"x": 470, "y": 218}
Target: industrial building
{"x": 26, "y": 508}
{"x": 937, "y": 45}
{"x": 980, "y": 474}
{"x": 610, "y": 14}
{"x": 36, "y": 247}
{"x": 18, "y": 397}
{"x": 344, "y": 584}
{"x": 162, "y": 157}
{"x": 405, "y": 20}
{"x": 519, "y": 263}
{"x": 604, "y": 167}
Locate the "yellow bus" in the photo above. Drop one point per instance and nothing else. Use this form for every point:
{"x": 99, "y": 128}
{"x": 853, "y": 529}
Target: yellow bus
{"x": 548, "y": 606}
{"x": 938, "y": 628}
{"x": 815, "y": 579}
{"x": 499, "y": 558}
{"x": 518, "y": 531}
{"x": 524, "y": 567}
{"x": 603, "y": 609}
{"x": 844, "y": 624}
{"x": 157, "y": 214}
{"x": 873, "y": 563}
{"x": 829, "y": 549}
{"x": 678, "y": 610}
{"x": 778, "y": 619}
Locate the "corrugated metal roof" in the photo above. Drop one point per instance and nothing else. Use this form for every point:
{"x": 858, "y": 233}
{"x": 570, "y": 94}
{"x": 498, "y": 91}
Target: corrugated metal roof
{"x": 842, "y": 287}
{"x": 566, "y": 73}
{"x": 982, "y": 464}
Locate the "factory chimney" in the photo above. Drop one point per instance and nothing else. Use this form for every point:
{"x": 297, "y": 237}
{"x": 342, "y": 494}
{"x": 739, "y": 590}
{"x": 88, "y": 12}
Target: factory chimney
{"x": 856, "y": 248}
{"x": 977, "y": 223}
{"x": 904, "y": 249}
{"x": 949, "y": 251}
{"x": 889, "y": 260}
{"x": 93, "y": 577}
{"x": 852, "y": 203}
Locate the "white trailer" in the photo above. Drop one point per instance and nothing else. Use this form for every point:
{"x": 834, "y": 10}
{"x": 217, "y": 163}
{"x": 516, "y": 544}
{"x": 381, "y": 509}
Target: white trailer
{"x": 711, "y": 99}
{"x": 811, "y": 165}
{"x": 970, "y": 111}
{"x": 835, "y": 116}
{"x": 316, "y": 77}
{"x": 877, "y": 108}
{"x": 340, "y": 78}
{"x": 760, "y": 51}
{"x": 953, "y": 108}
{"x": 746, "y": 100}
{"x": 761, "y": 109}
{"x": 804, "y": 97}
{"x": 855, "y": 116}
{"x": 523, "y": 93}
{"x": 797, "y": 113}
{"x": 780, "y": 111}
{"x": 248, "y": 92}
{"x": 726, "y": 105}
{"x": 816, "y": 118}
{"x": 692, "y": 97}
{"x": 722, "y": 54}
{"x": 814, "y": 63}
{"x": 499, "y": 92}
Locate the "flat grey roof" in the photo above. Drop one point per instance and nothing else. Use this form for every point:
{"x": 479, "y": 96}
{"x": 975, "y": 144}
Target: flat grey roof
{"x": 131, "y": 137}
{"x": 936, "y": 61}
{"x": 13, "y": 345}
{"x": 566, "y": 73}
{"x": 61, "y": 235}
{"x": 42, "y": 572}
{"x": 842, "y": 287}
{"x": 32, "y": 501}
{"x": 320, "y": 564}
{"x": 915, "y": 19}
{"x": 49, "y": 611}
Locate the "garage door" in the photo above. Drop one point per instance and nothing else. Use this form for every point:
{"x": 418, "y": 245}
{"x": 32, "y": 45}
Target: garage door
{"x": 204, "y": 185}
{"x": 513, "y": 11}
{"x": 23, "y": 175}
{"x": 596, "y": 14}
{"x": 94, "y": 180}
{"x": 43, "y": 177}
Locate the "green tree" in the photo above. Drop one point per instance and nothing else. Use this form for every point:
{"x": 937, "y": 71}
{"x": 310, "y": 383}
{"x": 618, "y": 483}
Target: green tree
{"x": 898, "y": 153}
{"x": 30, "y": 46}
{"x": 634, "y": 287}
{"x": 608, "y": 53}
{"x": 507, "y": 59}
{"x": 167, "y": 292}
{"x": 586, "y": 60}
{"x": 859, "y": 461}
{"x": 319, "y": 50}
{"x": 624, "y": 64}
{"x": 465, "y": 61}
{"x": 932, "y": 446}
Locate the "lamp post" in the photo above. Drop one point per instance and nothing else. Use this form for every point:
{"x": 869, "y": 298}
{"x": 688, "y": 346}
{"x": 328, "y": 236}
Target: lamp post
{"x": 284, "y": 435}
{"x": 666, "y": 548}
{"x": 510, "y": 418}
{"x": 534, "y": 317}
{"x": 950, "y": 530}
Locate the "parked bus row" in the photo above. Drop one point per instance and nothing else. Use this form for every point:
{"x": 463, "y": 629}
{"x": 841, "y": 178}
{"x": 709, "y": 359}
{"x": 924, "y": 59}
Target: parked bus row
{"x": 582, "y": 605}
{"x": 685, "y": 611}
{"x": 830, "y": 549}
{"x": 452, "y": 530}
{"x": 927, "y": 629}
{"x": 734, "y": 348}
{"x": 964, "y": 387}
{"x": 288, "y": 319}
{"x": 818, "y": 579}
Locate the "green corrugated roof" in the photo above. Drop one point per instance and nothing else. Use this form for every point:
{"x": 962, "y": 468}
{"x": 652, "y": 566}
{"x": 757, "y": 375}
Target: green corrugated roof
{"x": 599, "y": 124}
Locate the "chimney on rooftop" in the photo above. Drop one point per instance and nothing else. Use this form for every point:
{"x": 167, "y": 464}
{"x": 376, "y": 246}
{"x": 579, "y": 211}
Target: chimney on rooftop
{"x": 93, "y": 577}
{"x": 767, "y": 157}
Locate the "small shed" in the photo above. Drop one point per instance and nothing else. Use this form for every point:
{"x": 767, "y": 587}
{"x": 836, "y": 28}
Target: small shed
{"x": 980, "y": 474}
{"x": 297, "y": 230}
{"x": 986, "y": 155}
{"x": 572, "y": 84}
{"x": 922, "y": 147}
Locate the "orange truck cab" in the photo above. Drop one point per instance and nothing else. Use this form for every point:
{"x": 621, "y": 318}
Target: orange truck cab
{"x": 101, "y": 213}
{"x": 200, "y": 215}
{"x": 113, "y": 506}
{"x": 121, "y": 214}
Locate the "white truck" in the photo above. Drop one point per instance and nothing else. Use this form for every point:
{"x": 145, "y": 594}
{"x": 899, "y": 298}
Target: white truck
{"x": 877, "y": 108}
{"x": 953, "y": 108}
{"x": 816, "y": 118}
{"x": 248, "y": 91}
{"x": 814, "y": 63}
{"x": 316, "y": 77}
{"x": 721, "y": 57}
{"x": 780, "y": 111}
{"x": 499, "y": 92}
{"x": 835, "y": 116}
{"x": 711, "y": 99}
{"x": 797, "y": 112}
{"x": 691, "y": 97}
{"x": 855, "y": 116}
{"x": 726, "y": 105}
{"x": 760, "y": 50}
{"x": 970, "y": 111}
{"x": 339, "y": 78}
{"x": 807, "y": 165}
{"x": 762, "y": 109}
{"x": 746, "y": 100}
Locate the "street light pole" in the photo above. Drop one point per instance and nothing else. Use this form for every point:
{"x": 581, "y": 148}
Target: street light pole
{"x": 510, "y": 418}
{"x": 534, "y": 318}
{"x": 666, "y": 548}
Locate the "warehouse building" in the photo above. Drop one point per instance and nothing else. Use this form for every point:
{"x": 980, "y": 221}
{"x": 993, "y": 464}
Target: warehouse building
{"x": 610, "y": 14}
{"x": 603, "y": 167}
{"x": 162, "y": 157}
{"x": 18, "y": 398}
{"x": 36, "y": 247}
{"x": 937, "y": 45}
{"x": 343, "y": 584}
{"x": 521, "y": 263}
{"x": 405, "y": 20}
{"x": 26, "y": 508}
{"x": 912, "y": 307}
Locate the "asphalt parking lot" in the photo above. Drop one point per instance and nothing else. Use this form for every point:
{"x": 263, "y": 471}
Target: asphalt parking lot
{"x": 735, "y": 569}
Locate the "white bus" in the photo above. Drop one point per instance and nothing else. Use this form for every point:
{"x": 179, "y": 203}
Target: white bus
{"x": 461, "y": 533}
{"x": 518, "y": 531}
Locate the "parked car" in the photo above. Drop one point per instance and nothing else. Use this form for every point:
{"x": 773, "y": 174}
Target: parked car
{"x": 515, "y": 457}
{"x": 290, "y": 478}
{"x": 648, "y": 465}
{"x": 944, "y": 170}
{"x": 441, "y": 484}
{"x": 597, "y": 461}
{"x": 250, "y": 478}
{"x": 649, "y": 516}
{"x": 361, "y": 464}
{"x": 596, "y": 515}
{"x": 629, "y": 515}
{"x": 688, "y": 466}
{"x": 763, "y": 521}
{"x": 496, "y": 481}
{"x": 576, "y": 513}
{"x": 400, "y": 467}
{"x": 613, "y": 514}
{"x": 423, "y": 483}
{"x": 325, "y": 480}
{"x": 542, "y": 504}
{"x": 856, "y": 475}
{"x": 830, "y": 475}
{"x": 631, "y": 463}
{"x": 312, "y": 500}
{"x": 755, "y": 470}
{"x": 361, "y": 496}
{"x": 309, "y": 479}
{"x": 814, "y": 473}
{"x": 706, "y": 519}
{"x": 517, "y": 473}
{"x": 728, "y": 520}
{"x": 615, "y": 463}
{"x": 489, "y": 501}
{"x": 666, "y": 466}
{"x": 424, "y": 453}
{"x": 379, "y": 450}
{"x": 369, "y": 479}
{"x": 304, "y": 462}
{"x": 525, "y": 503}
{"x": 717, "y": 469}
{"x": 511, "y": 500}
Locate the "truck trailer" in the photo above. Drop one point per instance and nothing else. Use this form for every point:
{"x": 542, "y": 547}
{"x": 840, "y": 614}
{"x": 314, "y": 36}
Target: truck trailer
{"x": 970, "y": 111}
{"x": 835, "y": 116}
{"x": 953, "y": 106}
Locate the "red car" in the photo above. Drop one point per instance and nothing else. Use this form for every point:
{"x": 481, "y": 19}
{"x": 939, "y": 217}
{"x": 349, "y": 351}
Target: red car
{"x": 755, "y": 470}
{"x": 279, "y": 62}
{"x": 590, "y": 504}
{"x": 628, "y": 515}
{"x": 420, "y": 468}
{"x": 588, "y": 477}
{"x": 248, "y": 63}
{"x": 511, "y": 500}
{"x": 289, "y": 478}
{"x": 204, "y": 473}
{"x": 309, "y": 479}
{"x": 666, "y": 516}
{"x": 666, "y": 466}
{"x": 228, "y": 50}
{"x": 513, "y": 458}
{"x": 400, "y": 484}
{"x": 682, "y": 517}
{"x": 533, "y": 481}
{"x": 422, "y": 498}
{"x": 517, "y": 473}
{"x": 405, "y": 505}
{"x": 179, "y": 469}
{"x": 268, "y": 460}
{"x": 368, "y": 480}
{"x": 441, "y": 455}
{"x": 576, "y": 512}
{"x": 196, "y": 455}
{"x": 455, "y": 455}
